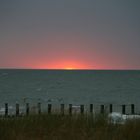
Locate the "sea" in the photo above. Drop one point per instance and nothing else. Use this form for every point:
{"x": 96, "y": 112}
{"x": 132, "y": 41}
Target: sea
{"x": 75, "y": 87}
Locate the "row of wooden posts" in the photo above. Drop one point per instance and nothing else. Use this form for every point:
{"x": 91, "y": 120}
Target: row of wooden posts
{"x": 62, "y": 108}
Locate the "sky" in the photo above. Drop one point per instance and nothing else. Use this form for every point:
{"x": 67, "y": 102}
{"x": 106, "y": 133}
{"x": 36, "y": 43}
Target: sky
{"x": 70, "y": 34}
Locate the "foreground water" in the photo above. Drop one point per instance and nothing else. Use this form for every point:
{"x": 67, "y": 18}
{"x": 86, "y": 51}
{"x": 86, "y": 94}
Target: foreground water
{"x": 70, "y": 86}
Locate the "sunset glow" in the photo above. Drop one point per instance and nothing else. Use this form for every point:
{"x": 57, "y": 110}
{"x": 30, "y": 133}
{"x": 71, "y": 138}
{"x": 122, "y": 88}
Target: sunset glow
{"x": 69, "y": 68}
{"x": 66, "y": 64}
{"x": 70, "y": 35}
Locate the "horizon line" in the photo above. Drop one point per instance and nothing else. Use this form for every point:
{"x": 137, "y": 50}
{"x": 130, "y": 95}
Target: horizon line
{"x": 61, "y": 69}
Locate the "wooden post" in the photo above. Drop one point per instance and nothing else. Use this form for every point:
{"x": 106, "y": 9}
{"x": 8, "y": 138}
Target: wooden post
{"x": 27, "y": 109}
{"x": 70, "y": 109}
{"x": 123, "y": 109}
{"x": 91, "y": 108}
{"x": 17, "y": 109}
{"x": 110, "y": 108}
{"x": 39, "y": 108}
{"x": 102, "y": 109}
{"x": 82, "y": 109}
{"x": 132, "y": 109}
{"x": 6, "y": 109}
{"x": 49, "y": 108}
{"x": 62, "y": 109}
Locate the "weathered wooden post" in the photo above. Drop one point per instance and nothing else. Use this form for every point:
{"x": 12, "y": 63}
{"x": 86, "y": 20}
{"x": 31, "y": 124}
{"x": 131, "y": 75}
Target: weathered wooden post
{"x": 132, "y": 109}
{"x": 62, "y": 109}
{"x": 39, "y": 108}
{"x": 49, "y": 108}
{"x": 102, "y": 111}
{"x": 82, "y": 109}
{"x": 6, "y": 109}
{"x": 70, "y": 109}
{"x": 17, "y": 109}
{"x": 110, "y": 108}
{"x": 123, "y": 109}
{"x": 91, "y": 108}
{"x": 27, "y": 109}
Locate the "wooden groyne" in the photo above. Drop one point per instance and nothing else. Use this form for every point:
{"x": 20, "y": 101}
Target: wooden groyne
{"x": 70, "y": 109}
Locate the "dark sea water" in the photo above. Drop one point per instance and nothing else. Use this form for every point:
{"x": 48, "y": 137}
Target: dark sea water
{"x": 70, "y": 86}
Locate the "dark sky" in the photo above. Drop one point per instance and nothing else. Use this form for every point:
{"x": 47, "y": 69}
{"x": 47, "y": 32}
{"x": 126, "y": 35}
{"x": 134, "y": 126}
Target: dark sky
{"x": 83, "y": 34}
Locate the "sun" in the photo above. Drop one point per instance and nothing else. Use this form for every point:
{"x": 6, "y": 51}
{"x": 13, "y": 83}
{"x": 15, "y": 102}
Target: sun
{"x": 69, "y": 68}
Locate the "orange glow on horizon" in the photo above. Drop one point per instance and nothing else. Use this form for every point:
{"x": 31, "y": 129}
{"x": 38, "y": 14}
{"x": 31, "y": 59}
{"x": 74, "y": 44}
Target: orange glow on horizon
{"x": 64, "y": 51}
{"x": 69, "y": 68}
{"x": 67, "y": 65}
